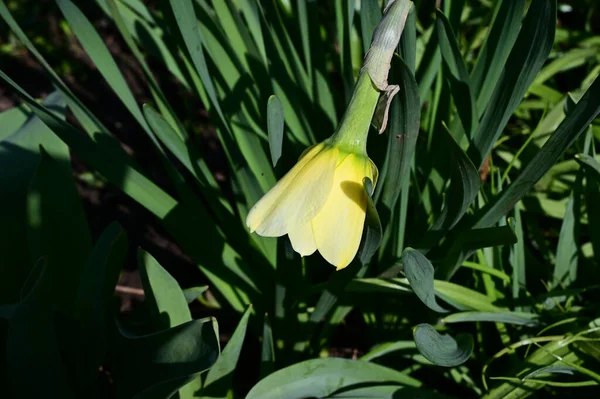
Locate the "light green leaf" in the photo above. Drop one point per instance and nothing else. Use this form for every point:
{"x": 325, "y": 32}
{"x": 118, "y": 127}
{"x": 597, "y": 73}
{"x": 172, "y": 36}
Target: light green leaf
{"x": 516, "y": 318}
{"x": 321, "y": 378}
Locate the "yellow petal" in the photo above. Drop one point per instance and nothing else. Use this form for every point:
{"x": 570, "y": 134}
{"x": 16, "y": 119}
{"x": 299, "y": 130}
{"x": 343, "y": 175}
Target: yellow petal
{"x": 303, "y": 239}
{"x": 338, "y": 226}
{"x": 297, "y": 197}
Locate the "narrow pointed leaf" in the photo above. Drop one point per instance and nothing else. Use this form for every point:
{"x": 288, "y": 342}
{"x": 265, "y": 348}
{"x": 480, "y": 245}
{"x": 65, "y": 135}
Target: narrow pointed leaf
{"x": 491, "y": 60}
{"x": 218, "y": 381}
{"x": 457, "y": 75}
{"x": 516, "y": 318}
{"x": 526, "y": 58}
{"x": 565, "y": 135}
{"x": 275, "y": 126}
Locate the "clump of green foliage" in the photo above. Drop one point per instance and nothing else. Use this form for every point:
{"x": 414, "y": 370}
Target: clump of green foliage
{"x": 483, "y": 279}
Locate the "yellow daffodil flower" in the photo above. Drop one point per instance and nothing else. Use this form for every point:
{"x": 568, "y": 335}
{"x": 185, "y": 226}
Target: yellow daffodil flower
{"x": 321, "y": 202}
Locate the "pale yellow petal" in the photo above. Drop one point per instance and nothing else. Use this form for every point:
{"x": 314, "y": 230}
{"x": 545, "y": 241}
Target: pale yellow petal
{"x": 303, "y": 240}
{"x": 338, "y": 226}
{"x": 297, "y": 197}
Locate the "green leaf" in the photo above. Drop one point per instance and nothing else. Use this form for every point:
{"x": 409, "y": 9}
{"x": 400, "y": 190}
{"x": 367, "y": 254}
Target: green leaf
{"x": 508, "y": 317}
{"x": 32, "y": 350}
{"x": 388, "y": 347}
{"x": 442, "y": 350}
{"x": 565, "y": 135}
{"x": 101, "y": 57}
{"x": 370, "y": 15}
{"x": 189, "y": 26}
{"x": 552, "y": 369}
{"x": 104, "y": 156}
{"x": 267, "y": 354}
{"x": 58, "y": 229}
{"x": 491, "y": 60}
{"x": 372, "y": 231}
{"x": 159, "y": 364}
{"x": 95, "y": 290}
{"x": 565, "y": 267}
{"x": 218, "y": 382}
{"x": 403, "y": 130}
{"x": 408, "y": 41}
{"x": 517, "y": 258}
{"x": 589, "y": 163}
{"x": 19, "y": 160}
{"x": 419, "y": 272}
{"x": 463, "y": 189}
{"x": 192, "y": 294}
{"x": 275, "y": 126}
{"x": 526, "y": 59}
{"x": 12, "y": 119}
{"x": 464, "y": 298}
{"x": 165, "y": 300}
{"x": 457, "y": 75}
{"x": 90, "y": 123}
{"x": 321, "y": 378}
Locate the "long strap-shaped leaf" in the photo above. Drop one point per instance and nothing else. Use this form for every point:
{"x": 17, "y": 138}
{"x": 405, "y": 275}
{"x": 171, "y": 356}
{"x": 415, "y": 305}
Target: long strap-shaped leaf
{"x": 586, "y": 110}
{"x": 498, "y": 43}
{"x": 524, "y": 62}
{"x": 90, "y": 123}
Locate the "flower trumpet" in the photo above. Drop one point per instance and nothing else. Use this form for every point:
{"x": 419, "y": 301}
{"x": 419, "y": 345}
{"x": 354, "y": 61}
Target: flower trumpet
{"x": 321, "y": 203}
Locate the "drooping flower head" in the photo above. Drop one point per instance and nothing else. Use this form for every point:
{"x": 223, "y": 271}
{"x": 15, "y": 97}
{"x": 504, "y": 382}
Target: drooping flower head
{"x": 321, "y": 203}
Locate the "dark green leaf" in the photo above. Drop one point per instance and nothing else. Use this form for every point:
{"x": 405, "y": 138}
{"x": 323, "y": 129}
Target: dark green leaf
{"x": 19, "y": 159}
{"x": 58, "y": 229}
{"x": 463, "y": 188}
{"x": 442, "y": 350}
{"x": 267, "y": 354}
{"x": 95, "y": 290}
{"x": 419, "y": 272}
{"x": 159, "y": 364}
{"x": 565, "y": 135}
{"x": 457, "y": 75}
{"x": 275, "y": 125}
{"x": 403, "y": 130}
{"x": 526, "y": 59}
{"x": 491, "y": 60}
{"x": 408, "y": 41}
{"x": 218, "y": 382}
{"x": 370, "y": 15}
{"x": 32, "y": 350}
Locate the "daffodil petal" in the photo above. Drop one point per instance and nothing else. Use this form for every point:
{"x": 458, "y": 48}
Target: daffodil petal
{"x": 303, "y": 239}
{"x": 298, "y": 196}
{"x": 338, "y": 226}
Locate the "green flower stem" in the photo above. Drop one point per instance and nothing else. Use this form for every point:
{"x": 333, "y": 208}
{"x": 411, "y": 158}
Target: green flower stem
{"x": 353, "y": 130}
